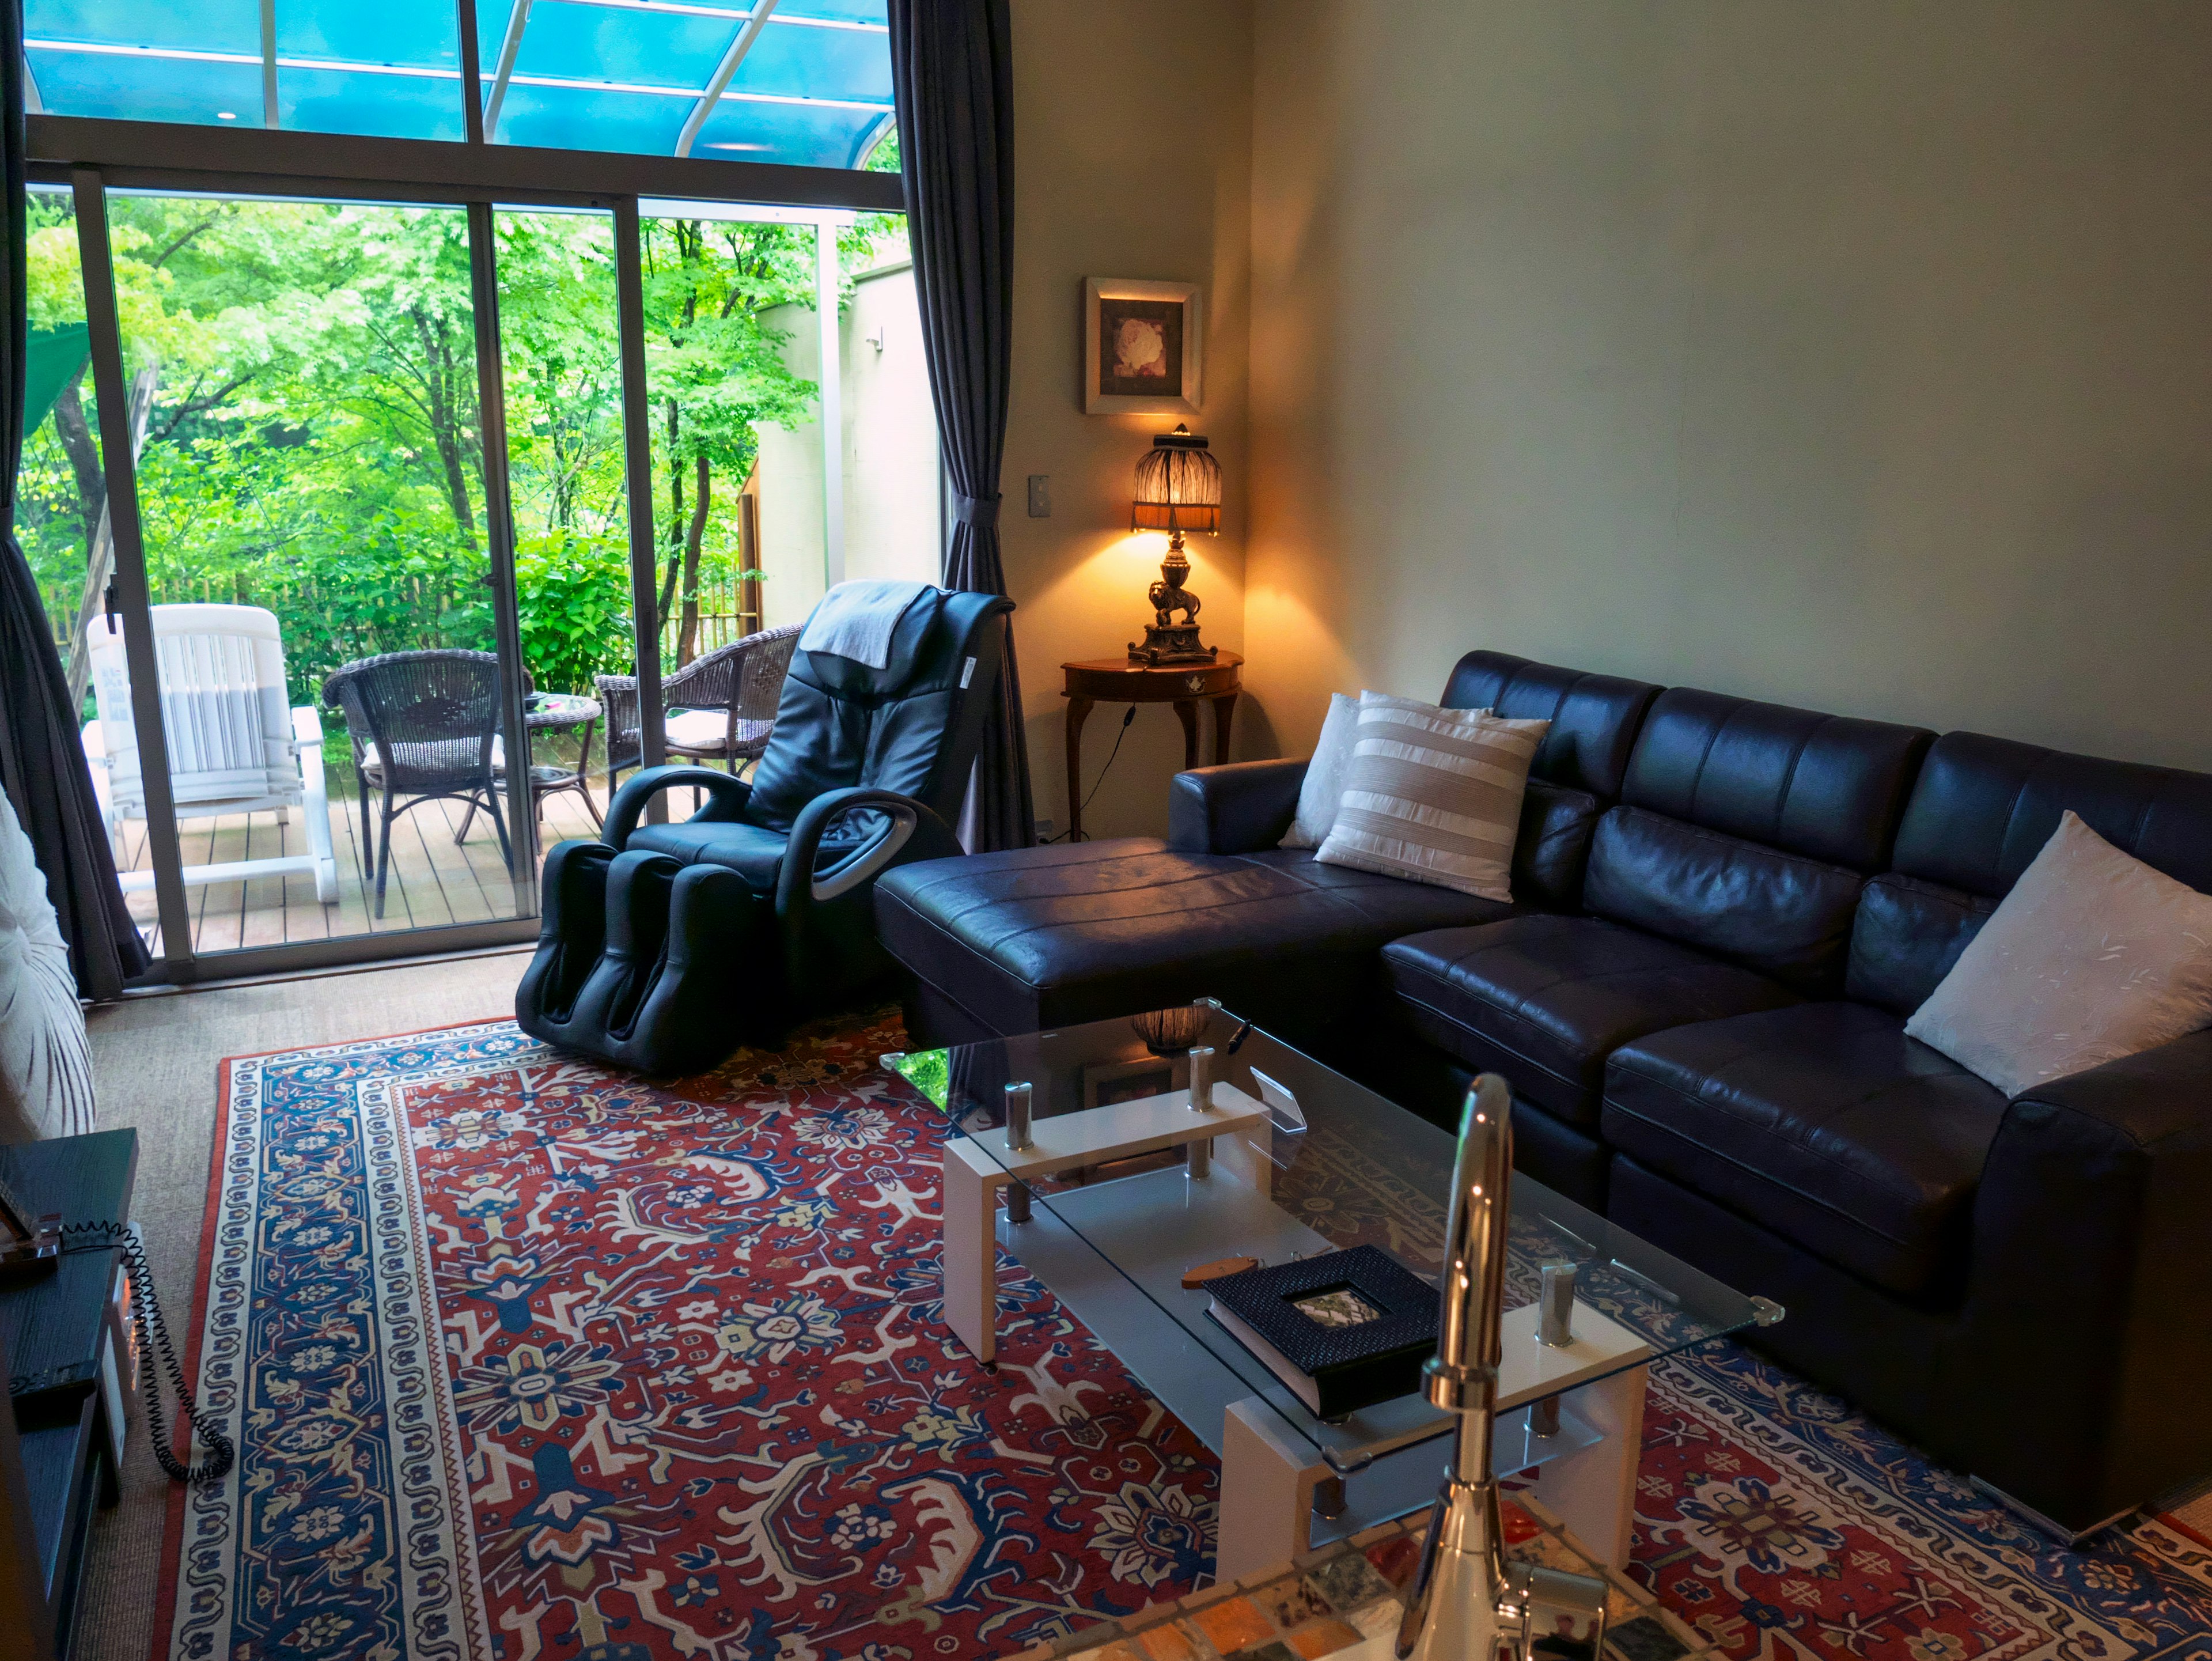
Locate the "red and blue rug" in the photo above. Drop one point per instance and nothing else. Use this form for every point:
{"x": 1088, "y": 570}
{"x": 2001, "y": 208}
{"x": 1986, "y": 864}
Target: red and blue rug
{"x": 531, "y": 1360}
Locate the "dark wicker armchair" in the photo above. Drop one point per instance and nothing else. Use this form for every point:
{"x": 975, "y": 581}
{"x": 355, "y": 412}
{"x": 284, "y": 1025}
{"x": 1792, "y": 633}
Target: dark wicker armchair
{"x": 425, "y": 727}
{"x": 720, "y": 707}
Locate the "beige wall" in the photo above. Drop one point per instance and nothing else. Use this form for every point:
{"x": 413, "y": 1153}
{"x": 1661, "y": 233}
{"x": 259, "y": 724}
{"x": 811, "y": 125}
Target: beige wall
{"x": 1856, "y": 356}
{"x": 1133, "y": 125}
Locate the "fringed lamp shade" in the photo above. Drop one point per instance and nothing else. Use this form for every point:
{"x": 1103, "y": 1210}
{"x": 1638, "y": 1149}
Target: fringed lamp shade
{"x": 1178, "y": 490}
{"x": 1178, "y": 486}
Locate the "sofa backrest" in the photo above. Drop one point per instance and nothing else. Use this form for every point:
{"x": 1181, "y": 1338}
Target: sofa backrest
{"x": 1980, "y": 811}
{"x": 1748, "y": 829}
{"x": 1594, "y": 717}
{"x": 1578, "y": 767}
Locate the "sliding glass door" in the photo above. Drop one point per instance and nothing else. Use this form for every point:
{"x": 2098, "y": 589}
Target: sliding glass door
{"x": 313, "y": 530}
{"x": 420, "y": 500}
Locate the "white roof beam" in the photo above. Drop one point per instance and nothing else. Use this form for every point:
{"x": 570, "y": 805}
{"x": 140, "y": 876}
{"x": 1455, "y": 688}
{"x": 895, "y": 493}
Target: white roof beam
{"x": 739, "y": 46}
{"x": 269, "y": 110}
{"x": 509, "y": 44}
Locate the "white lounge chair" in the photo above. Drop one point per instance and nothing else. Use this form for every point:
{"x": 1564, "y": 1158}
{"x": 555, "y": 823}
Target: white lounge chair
{"x": 234, "y": 747}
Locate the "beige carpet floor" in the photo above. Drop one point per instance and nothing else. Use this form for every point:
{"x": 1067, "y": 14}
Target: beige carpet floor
{"x": 154, "y": 1062}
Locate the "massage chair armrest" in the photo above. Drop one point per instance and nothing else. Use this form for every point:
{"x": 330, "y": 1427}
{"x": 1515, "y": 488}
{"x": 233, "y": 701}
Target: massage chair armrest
{"x": 915, "y": 833}
{"x": 727, "y": 803}
{"x": 2089, "y": 1276}
{"x": 1239, "y": 808}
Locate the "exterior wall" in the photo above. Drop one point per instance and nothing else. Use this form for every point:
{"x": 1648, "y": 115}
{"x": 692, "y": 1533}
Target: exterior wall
{"x": 1853, "y": 356}
{"x": 892, "y": 527}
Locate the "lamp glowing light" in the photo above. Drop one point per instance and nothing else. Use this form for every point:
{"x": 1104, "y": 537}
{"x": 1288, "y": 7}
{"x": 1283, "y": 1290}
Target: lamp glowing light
{"x": 1178, "y": 490}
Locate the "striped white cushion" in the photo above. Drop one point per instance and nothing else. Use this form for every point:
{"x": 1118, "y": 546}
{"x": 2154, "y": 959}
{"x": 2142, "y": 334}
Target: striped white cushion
{"x": 1434, "y": 795}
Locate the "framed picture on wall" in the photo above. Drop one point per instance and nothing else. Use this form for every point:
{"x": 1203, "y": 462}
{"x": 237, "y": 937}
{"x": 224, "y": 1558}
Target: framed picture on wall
{"x": 1143, "y": 347}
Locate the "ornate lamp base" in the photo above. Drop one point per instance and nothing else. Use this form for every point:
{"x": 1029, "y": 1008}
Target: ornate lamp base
{"x": 1167, "y": 643}
{"x": 1177, "y": 643}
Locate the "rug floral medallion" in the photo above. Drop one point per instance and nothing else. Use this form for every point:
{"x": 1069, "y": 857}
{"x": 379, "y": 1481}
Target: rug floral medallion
{"x": 528, "y": 1358}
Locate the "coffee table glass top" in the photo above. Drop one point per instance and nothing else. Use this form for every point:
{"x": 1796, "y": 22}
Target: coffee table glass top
{"x": 1332, "y": 1165}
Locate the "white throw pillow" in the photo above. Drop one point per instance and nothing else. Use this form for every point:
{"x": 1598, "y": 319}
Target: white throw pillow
{"x": 2092, "y": 956}
{"x": 1324, "y": 780}
{"x": 46, "y": 1068}
{"x": 1433, "y": 795}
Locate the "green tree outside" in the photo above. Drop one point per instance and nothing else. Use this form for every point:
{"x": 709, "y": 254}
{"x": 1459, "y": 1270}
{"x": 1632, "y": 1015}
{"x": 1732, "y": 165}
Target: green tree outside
{"x": 313, "y": 441}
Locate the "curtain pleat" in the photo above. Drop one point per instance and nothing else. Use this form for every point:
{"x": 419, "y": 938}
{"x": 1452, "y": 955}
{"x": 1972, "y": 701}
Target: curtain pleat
{"x": 952, "y": 78}
{"x": 42, "y": 763}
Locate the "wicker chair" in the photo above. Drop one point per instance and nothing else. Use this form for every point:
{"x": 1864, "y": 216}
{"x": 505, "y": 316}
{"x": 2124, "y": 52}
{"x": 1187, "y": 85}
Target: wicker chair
{"x": 425, "y": 727}
{"x": 720, "y": 707}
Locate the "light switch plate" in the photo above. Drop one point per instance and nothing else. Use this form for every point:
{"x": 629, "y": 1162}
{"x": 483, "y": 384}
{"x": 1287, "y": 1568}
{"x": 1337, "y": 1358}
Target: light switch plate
{"x": 1040, "y": 496}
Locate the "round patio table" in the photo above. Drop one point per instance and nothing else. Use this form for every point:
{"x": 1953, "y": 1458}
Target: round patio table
{"x": 549, "y": 712}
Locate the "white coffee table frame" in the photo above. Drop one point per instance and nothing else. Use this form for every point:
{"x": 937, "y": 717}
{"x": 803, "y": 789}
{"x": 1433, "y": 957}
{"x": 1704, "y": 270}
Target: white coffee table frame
{"x": 1270, "y": 1472}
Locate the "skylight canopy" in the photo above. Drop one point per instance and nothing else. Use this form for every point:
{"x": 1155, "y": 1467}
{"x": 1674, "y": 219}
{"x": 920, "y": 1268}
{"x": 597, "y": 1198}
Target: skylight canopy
{"x": 801, "y": 82}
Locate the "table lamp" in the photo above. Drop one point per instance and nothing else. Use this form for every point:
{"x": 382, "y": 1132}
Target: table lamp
{"x": 1178, "y": 490}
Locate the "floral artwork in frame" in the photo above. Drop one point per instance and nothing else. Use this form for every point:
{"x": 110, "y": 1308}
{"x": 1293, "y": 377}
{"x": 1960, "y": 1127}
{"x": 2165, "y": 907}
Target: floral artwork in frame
{"x": 1143, "y": 347}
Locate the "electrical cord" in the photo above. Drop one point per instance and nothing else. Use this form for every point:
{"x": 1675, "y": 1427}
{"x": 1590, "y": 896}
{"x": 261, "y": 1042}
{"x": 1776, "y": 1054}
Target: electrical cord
{"x": 155, "y": 1345}
{"x": 1128, "y": 718}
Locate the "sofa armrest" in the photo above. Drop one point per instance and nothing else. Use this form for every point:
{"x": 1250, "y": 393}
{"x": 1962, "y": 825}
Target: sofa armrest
{"x": 1239, "y": 808}
{"x": 2089, "y": 1313}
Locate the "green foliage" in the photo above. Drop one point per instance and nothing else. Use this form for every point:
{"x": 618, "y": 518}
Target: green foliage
{"x": 574, "y": 593}
{"x": 313, "y": 443}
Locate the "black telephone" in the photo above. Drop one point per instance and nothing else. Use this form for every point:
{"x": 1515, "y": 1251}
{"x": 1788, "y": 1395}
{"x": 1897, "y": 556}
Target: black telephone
{"x": 31, "y": 1247}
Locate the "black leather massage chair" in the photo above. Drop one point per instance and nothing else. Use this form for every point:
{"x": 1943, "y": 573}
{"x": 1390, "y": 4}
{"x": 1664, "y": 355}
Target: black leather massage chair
{"x": 664, "y": 946}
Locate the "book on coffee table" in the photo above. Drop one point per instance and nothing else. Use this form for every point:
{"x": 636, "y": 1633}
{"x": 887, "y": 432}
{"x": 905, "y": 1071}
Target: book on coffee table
{"x": 1343, "y": 1331}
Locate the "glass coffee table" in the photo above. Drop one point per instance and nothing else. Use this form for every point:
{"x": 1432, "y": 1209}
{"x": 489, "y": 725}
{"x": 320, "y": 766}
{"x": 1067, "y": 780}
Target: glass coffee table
{"x": 1124, "y": 1187}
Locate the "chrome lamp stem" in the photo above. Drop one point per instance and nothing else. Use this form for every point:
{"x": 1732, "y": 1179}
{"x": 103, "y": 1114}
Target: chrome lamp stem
{"x": 1468, "y": 1604}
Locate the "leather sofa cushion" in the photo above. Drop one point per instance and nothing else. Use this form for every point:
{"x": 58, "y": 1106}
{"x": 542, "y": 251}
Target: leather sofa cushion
{"x": 1040, "y": 937}
{"x": 1593, "y": 718}
{"x": 1983, "y": 807}
{"x": 1782, "y": 914}
{"x": 1551, "y": 846}
{"x": 753, "y": 852}
{"x": 1905, "y": 938}
{"x": 1823, "y": 1123}
{"x": 1544, "y": 999}
{"x": 1827, "y": 786}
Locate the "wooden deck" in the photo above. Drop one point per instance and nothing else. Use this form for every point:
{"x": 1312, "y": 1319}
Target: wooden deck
{"x": 433, "y": 881}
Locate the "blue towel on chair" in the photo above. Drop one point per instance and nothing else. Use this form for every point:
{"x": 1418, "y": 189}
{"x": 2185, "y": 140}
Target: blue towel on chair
{"x": 856, "y": 620}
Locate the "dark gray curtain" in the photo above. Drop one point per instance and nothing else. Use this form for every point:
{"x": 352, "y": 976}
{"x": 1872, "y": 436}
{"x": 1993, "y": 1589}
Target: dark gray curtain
{"x": 953, "y": 74}
{"x": 41, "y": 762}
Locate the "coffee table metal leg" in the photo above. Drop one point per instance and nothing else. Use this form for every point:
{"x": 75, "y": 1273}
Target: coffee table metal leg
{"x": 1268, "y": 1476}
{"x": 971, "y": 1260}
{"x": 1593, "y": 1491}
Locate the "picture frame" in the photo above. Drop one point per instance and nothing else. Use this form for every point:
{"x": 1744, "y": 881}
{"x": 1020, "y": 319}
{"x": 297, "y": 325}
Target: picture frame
{"x": 1144, "y": 347}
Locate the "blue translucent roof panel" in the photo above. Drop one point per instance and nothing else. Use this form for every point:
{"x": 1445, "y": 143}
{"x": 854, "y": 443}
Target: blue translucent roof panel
{"x": 620, "y": 43}
{"x": 354, "y": 100}
{"x": 817, "y": 64}
{"x": 814, "y": 87}
{"x": 145, "y": 88}
{"x": 580, "y": 119}
{"x": 850, "y": 11}
{"x": 423, "y": 32}
{"x": 231, "y": 25}
{"x": 807, "y": 135}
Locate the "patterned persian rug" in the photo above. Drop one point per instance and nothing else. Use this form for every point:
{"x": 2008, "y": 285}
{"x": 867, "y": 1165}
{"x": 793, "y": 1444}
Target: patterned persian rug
{"x": 530, "y": 1359}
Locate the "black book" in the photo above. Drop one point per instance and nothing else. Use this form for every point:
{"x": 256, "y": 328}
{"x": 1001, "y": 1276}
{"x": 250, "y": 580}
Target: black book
{"x": 1344, "y": 1331}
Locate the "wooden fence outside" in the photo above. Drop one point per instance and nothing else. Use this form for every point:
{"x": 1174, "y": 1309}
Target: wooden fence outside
{"x": 729, "y": 607}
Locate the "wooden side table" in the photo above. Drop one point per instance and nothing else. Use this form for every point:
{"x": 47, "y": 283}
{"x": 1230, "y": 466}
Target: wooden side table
{"x": 1117, "y": 680}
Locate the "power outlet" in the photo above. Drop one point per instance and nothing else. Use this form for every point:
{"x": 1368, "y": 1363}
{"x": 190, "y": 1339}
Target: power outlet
{"x": 1045, "y": 828}
{"x": 1040, "y": 496}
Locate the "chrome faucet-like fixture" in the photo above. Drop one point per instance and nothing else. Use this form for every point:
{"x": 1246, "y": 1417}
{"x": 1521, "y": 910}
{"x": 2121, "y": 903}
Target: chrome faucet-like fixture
{"x": 1468, "y": 1602}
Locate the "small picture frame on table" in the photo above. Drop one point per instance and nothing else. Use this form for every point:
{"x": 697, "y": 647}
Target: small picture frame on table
{"x": 1143, "y": 347}
{"x": 1105, "y": 1083}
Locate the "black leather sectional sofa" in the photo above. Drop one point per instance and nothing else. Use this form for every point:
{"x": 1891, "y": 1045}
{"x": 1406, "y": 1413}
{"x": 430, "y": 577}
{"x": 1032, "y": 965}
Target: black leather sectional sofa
{"x": 1724, "y": 912}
